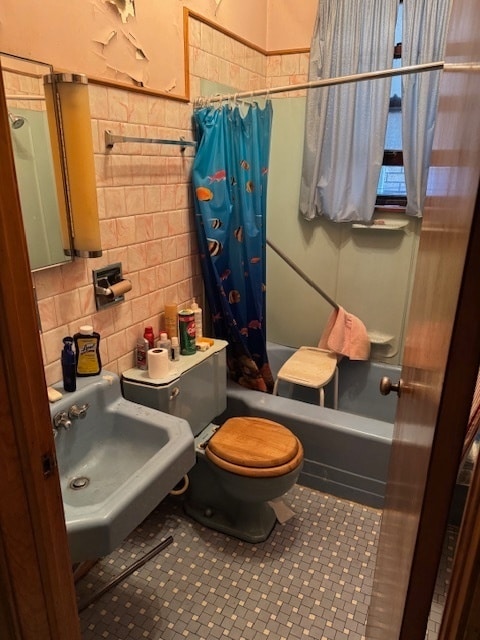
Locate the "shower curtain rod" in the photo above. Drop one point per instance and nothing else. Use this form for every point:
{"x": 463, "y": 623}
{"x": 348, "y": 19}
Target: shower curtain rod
{"x": 327, "y": 82}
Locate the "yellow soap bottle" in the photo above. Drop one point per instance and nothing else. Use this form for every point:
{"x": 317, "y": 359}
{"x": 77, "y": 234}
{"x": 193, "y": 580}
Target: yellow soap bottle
{"x": 87, "y": 347}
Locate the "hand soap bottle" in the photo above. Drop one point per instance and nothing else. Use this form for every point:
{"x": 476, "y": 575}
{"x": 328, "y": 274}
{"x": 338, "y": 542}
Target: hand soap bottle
{"x": 87, "y": 343}
{"x": 68, "y": 365}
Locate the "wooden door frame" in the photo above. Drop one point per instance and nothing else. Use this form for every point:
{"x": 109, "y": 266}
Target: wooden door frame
{"x": 36, "y": 583}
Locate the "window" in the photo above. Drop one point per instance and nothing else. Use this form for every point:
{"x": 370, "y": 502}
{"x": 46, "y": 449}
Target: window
{"x": 391, "y": 188}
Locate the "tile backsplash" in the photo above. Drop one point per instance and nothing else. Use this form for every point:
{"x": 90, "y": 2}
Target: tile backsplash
{"x": 146, "y": 224}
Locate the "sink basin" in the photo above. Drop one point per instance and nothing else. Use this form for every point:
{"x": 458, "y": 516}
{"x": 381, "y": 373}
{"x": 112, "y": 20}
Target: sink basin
{"x": 116, "y": 464}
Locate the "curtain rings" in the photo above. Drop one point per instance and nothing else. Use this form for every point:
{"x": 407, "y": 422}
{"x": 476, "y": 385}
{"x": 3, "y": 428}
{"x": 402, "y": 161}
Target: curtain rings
{"x": 267, "y": 97}
{"x": 229, "y": 104}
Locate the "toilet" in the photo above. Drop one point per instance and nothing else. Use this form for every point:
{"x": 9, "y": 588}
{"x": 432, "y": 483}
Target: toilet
{"x": 243, "y": 466}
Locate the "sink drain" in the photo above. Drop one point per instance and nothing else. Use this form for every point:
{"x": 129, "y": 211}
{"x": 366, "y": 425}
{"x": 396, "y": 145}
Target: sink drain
{"x": 79, "y": 483}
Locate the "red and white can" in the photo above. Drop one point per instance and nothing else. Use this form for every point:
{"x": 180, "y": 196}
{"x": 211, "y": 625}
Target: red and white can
{"x": 186, "y": 330}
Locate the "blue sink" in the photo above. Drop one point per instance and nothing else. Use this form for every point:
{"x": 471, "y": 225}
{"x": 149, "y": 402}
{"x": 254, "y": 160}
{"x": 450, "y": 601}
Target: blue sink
{"x": 116, "y": 463}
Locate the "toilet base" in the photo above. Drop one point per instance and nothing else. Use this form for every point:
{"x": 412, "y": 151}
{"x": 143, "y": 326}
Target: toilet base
{"x": 251, "y": 522}
{"x": 208, "y": 503}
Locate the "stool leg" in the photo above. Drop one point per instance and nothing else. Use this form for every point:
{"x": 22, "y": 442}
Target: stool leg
{"x": 322, "y": 397}
{"x": 275, "y": 388}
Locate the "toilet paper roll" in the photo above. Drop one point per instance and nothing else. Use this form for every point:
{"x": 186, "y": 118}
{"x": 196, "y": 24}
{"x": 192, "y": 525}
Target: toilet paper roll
{"x": 158, "y": 363}
{"x": 120, "y": 288}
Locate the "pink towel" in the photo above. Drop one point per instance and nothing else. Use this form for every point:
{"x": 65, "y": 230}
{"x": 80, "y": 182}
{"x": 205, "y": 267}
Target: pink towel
{"x": 346, "y": 335}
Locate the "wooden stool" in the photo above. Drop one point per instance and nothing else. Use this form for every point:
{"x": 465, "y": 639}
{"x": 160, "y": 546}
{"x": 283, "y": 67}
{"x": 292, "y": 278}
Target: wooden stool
{"x": 311, "y": 367}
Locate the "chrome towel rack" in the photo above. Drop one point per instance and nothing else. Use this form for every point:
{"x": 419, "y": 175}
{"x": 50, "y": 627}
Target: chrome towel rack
{"x": 113, "y": 138}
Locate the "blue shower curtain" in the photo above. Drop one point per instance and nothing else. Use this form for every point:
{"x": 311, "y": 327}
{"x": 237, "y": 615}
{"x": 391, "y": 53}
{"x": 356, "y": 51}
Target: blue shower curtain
{"x": 230, "y": 190}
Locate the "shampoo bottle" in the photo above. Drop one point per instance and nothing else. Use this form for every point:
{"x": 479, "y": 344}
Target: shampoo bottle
{"x": 141, "y": 354}
{"x": 175, "y": 349}
{"x": 197, "y": 312}
{"x": 87, "y": 347}
{"x": 171, "y": 320}
{"x": 68, "y": 365}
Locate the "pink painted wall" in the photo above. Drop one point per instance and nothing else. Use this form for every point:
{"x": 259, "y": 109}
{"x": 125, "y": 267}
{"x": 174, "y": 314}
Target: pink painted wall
{"x": 290, "y": 24}
{"x": 89, "y": 36}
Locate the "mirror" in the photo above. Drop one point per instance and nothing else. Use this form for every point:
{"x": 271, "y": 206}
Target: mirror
{"x": 37, "y": 149}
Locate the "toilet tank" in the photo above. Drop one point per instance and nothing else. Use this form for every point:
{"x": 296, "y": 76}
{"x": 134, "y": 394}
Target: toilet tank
{"x": 195, "y": 388}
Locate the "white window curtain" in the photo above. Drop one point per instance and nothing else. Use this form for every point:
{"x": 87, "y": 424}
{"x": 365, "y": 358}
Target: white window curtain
{"x": 345, "y": 125}
{"x": 423, "y": 40}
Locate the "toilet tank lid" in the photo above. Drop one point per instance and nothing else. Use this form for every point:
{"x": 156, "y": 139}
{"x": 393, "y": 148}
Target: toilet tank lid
{"x": 177, "y": 368}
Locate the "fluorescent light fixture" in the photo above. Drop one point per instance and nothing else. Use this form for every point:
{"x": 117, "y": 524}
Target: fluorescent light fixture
{"x": 75, "y": 121}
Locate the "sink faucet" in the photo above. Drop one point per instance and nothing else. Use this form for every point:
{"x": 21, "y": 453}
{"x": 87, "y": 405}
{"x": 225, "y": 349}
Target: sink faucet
{"x": 78, "y": 411}
{"x": 61, "y": 419}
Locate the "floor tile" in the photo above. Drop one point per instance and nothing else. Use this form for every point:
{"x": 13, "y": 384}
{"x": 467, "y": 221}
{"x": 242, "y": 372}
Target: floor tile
{"x": 311, "y": 579}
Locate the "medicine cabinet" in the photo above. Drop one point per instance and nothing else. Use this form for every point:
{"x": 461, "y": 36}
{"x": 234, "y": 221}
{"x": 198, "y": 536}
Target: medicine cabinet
{"x": 38, "y": 155}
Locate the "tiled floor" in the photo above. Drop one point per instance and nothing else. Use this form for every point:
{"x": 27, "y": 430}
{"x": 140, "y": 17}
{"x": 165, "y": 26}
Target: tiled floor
{"x": 441, "y": 587}
{"x": 311, "y": 579}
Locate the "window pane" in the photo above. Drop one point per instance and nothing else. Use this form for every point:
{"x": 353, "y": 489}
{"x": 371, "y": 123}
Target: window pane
{"x": 392, "y": 180}
{"x": 393, "y": 138}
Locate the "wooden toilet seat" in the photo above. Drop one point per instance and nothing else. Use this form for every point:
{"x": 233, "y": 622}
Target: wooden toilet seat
{"x": 255, "y": 447}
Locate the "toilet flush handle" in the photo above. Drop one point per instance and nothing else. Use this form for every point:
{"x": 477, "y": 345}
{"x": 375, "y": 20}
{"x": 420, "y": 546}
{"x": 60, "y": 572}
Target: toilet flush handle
{"x": 174, "y": 393}
{"x": 386, "y": 385}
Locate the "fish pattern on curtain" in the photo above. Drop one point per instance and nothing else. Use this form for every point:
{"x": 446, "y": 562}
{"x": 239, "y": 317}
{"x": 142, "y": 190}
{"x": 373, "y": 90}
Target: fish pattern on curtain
{"x": 230, "y": 190}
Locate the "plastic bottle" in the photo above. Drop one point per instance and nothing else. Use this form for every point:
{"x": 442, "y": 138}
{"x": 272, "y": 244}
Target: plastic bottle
{"x": 165, "y": 343}
{"x": 68, "y": 365}
{"x": 148, "y": 335}
{"x": 197, "y": 312}
{"x": 171, "y": 320}
{"x": 175, "y": 349}
{"x": 87, "y": 348}
{"x": 141, "y": 354}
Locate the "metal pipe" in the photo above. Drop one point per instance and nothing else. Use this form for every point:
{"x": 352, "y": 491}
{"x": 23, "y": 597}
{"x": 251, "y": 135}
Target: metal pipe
{"x": 328, "y": 82}
{"x": 303, "y": 275}
{"x": 136, "y": 565}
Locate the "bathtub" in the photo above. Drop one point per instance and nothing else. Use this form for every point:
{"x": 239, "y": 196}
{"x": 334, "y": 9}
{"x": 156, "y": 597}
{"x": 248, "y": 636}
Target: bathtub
{"x": 346, "y": 450}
